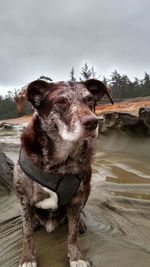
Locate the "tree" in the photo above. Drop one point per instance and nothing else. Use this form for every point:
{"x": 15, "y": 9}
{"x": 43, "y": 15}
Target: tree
{"x": 105, "y": 80}
{"x": 72, "y": 75}
{"x": 93, "y": 73}
{"x": 146, "y": 84}
{"x": 85, "y": 72}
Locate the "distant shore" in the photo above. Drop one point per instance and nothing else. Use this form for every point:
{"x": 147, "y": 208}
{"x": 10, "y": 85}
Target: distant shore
{"x": 131, "y": 105}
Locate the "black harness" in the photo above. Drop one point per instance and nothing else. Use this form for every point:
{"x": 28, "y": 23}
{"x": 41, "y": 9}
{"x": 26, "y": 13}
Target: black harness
{"x": 64, "y": 185}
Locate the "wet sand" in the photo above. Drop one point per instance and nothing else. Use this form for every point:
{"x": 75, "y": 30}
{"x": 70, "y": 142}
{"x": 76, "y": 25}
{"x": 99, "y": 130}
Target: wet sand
{"x": 118, "y": 210}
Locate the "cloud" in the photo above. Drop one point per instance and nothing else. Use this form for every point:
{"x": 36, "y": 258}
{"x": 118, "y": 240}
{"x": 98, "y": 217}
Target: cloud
{"x": 49, "y": 37}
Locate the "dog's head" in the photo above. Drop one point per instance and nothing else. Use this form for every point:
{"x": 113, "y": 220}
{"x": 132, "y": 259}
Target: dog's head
{"x": 65, "y": 109}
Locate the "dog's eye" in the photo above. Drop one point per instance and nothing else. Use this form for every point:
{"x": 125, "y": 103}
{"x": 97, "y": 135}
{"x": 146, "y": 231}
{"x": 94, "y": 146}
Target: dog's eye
{"x": 61, "y": 104}
{"x": 60, "y": 101}
{"x": 89, "y": 101}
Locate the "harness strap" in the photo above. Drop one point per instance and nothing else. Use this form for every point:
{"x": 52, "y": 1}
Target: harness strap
{"x": 65, "y": 185}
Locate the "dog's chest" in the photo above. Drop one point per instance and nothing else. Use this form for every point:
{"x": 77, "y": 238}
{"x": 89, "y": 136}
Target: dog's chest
{"x": 59, "y": 187}
{"x": 62, "y": 193}
{"x": 50, "y": 202}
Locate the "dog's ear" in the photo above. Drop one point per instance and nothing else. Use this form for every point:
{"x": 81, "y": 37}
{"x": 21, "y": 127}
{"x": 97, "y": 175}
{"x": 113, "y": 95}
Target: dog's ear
{"x": 35, "y": 92}
{"x": 98, "y": 89}
{"x": 21, "y": 98}
{"x": 32, "y": 92}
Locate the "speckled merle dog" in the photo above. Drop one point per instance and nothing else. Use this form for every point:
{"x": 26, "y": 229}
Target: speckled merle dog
{"x": 59, "y": 141}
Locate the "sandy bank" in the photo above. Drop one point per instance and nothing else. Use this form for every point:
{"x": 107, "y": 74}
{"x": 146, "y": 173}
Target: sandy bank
{"x": 130, "y": 105}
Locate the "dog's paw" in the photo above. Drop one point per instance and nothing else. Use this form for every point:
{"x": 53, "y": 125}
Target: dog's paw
{"x": 80, "y": 263}
{"x": 28, "y": 264}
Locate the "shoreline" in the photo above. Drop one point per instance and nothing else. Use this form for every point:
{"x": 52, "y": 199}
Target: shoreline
{"x": 130, "y": 105}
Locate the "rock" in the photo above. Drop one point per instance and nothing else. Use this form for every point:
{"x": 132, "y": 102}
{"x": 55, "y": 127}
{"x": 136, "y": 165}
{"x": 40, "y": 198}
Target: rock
{"x": 9, "y": 126}
{"x": 117, "y": 120}
{"x": 6, "y": 168}
{"x": 144, "y": 115}
{"x": 132, "y": 125}
{"x": 120, "y": 120}
{"x": 6, "y": 126}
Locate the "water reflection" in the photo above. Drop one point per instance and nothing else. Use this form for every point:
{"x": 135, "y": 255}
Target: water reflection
{"x": 119, "y": 163}
{"x": 118, "y": 211}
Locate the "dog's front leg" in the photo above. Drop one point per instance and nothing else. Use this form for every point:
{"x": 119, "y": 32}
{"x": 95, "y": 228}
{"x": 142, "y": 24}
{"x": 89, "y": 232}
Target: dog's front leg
{"x": 29, "y": 254}
{"x": 74, "y": 212}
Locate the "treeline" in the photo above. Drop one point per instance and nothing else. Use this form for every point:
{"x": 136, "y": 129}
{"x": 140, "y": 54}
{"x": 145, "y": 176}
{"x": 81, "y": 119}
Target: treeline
{"x": 122, "y": 88}
{"x": 8, "y": 108}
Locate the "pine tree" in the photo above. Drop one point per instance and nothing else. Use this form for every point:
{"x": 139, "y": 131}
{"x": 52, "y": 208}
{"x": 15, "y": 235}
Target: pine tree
{"x": 86, "y": 72}
{"x": 72, "y": 75}
{"x": 93, "y": 73}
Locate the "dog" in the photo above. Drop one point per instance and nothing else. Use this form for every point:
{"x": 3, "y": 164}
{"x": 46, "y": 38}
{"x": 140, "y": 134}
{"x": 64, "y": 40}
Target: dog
{"x": 52, "y": 176}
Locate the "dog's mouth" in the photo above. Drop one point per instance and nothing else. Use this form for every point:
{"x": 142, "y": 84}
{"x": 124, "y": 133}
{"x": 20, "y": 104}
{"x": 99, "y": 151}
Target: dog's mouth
{"x": 90, "y": 134}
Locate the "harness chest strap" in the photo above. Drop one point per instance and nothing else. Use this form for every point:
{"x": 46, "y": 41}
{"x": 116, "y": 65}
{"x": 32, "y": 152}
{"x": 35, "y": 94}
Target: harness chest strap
{"x": 64, "y": 185}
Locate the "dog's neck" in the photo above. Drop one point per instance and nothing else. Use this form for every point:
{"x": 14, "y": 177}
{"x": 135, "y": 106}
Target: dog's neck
{"x": 56, "y": 154}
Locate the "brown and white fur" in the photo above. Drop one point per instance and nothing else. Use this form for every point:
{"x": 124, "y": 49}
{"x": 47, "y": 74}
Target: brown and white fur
{"x": 60, "y": 138}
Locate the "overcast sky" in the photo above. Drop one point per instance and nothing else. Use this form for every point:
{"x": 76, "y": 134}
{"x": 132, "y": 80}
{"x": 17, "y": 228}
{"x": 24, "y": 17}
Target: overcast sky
{"x": 48, "y": 37}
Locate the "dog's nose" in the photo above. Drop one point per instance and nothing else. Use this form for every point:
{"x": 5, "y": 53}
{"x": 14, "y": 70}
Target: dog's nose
{"x": 90, "y": 123}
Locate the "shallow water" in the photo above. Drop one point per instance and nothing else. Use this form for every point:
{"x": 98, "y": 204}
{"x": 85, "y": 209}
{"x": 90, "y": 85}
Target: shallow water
{"x": 118, "y": 211}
